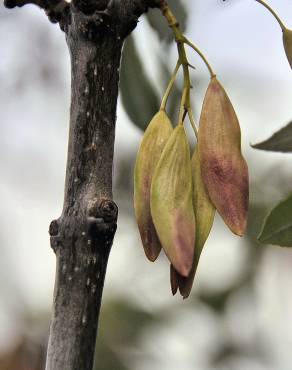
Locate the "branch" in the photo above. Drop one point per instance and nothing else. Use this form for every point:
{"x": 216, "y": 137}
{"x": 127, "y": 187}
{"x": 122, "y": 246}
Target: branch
{"x": 137, "y": 7}
{"x": 94, "y": 11}
{"x": 83, "y": 235}
{"x": 104, "y": 15}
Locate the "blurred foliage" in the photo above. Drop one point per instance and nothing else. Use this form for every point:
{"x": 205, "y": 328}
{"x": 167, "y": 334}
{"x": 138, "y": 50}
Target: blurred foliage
{"x": 121, "y": 326}
{"x": 159, "y": 25}
{"x": 280, "y": 141}
{"x": 25, "y": 355}
{"x": 139, "y": 97}
{"x": 277, "y": 228}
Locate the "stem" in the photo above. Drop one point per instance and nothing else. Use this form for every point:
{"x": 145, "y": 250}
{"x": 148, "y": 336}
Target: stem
{"x": 173, "y": 23}
{"x": 170, "y": 86}
{"x": 198, "y": 51}
{"x": 181, "y": 40}
{"x": 192, "y": 120}
{"x": 183, "y": 106}
{"x": 273, "y": 13}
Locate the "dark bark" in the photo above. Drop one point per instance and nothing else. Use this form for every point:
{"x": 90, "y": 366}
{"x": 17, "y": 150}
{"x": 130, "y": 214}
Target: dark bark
{"x": 83, "y": 235}
{"x": 86, "y": 228}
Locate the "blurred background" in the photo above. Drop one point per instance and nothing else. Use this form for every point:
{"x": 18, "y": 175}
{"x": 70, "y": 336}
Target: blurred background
{"x": 239, "y": 314}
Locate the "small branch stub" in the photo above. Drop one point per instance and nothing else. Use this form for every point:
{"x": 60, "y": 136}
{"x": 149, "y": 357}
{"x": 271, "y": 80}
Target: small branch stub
{"x": 108, "y": 210}
{"x": 54, "y": 228}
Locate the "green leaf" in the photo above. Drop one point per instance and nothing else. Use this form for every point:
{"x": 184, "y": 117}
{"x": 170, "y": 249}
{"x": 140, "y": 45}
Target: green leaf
{"x": 280, "y": 141}
{"x": 138, "y": 95}
{"x": 159, "y": 24}
{"x": 277, "y": 228}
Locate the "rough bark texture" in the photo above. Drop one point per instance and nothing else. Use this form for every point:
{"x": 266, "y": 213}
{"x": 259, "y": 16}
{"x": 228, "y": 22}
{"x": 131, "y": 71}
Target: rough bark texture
{"x": 83, "y": 235}
{"x": 86, "y": 228}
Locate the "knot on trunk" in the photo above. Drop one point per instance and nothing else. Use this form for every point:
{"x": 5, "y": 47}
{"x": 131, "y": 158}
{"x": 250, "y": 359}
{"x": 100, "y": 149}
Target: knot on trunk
{"x": 108, "y": 210}
{"x": 102, "y": 220}
{"x": 54, "y": 228}
{"x": 105, "y": 209}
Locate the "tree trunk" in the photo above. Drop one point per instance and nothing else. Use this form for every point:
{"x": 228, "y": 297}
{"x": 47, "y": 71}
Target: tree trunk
{"x": 83, "y": 235}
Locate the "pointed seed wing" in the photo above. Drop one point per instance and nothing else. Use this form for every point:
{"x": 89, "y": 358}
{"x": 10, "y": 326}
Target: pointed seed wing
{"x": 204, "y": 214}
{"x": 224, "y": 170}
{"x": 171, "y": 202}
{"x": 153, "y": 142}
{"x": 173, "y": 280}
